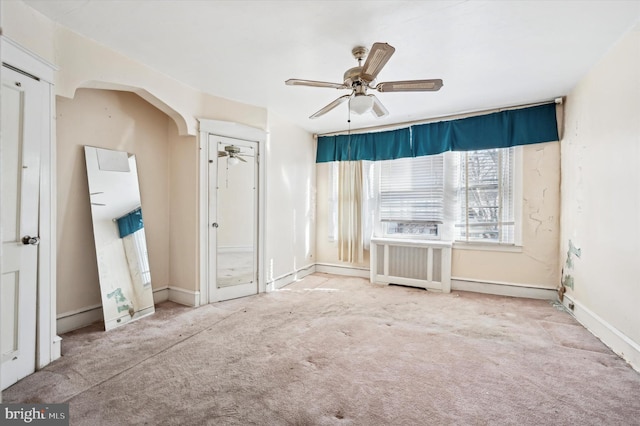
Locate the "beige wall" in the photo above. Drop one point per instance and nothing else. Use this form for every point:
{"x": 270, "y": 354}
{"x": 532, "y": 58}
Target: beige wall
{"x": 535, "y": 264}
{"x": 114, "y": 120}
{"x": 290, "y": 202}
{"x": 183, "y": 209}
{"x": 600, "y": 195}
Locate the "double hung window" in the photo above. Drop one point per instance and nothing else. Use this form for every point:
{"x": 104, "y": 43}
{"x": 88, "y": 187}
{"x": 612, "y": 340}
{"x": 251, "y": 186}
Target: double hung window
{"x": 486, "y": 196}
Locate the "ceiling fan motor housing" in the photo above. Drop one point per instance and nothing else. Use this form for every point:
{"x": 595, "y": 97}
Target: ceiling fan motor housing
{"x": 231, "y": 149}
{"x": 352, "y": 79}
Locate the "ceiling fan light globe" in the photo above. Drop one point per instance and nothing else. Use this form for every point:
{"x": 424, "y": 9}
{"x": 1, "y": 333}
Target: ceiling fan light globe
{"x": 361, "y": 104}
{"x": 233, "y": 161}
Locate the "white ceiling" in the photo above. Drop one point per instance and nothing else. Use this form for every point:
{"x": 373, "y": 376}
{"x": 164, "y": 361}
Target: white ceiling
{"x": 489, "y": 53}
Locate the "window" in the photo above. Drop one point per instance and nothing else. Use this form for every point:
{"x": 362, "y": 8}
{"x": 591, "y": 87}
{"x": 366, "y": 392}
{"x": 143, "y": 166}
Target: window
{"x": 411, "y": 195}
{"x": 469, "y": 197}
{"x": 485, "y": 196}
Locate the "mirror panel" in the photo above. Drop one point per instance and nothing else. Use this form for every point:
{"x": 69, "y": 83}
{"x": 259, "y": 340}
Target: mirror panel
{"x": 118, "y": 229}
{"x": 236, "y": 209}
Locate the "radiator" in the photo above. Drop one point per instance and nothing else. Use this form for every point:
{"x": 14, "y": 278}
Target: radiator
{"x": 416, "y": 263}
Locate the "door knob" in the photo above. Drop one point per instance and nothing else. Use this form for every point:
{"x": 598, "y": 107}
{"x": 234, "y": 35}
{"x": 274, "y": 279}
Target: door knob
{"x": 214, "y": 224}
{"x": 27, "y": 240}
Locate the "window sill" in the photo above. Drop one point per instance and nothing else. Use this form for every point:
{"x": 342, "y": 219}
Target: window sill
{"x": 507, "y": 248}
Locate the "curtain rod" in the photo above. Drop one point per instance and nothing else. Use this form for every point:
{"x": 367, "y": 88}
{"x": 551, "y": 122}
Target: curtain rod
{"x": 440, "y": 118}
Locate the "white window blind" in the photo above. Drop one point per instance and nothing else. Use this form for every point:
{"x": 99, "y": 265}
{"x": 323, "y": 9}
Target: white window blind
{"x": 412, "y": 189}
{"x": 485, "y": 196}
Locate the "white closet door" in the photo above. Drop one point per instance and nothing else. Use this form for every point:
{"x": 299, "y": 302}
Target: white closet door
{"x": 22, "y": 101}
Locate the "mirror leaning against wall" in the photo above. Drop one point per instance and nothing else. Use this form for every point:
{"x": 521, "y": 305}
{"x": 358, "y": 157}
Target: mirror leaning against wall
{"x": 118, "y": 229}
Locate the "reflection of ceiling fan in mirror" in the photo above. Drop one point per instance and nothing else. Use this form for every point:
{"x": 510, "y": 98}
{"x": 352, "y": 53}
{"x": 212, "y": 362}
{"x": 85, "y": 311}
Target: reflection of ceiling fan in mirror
{"x": 233, "y": 152}
{"x": 363, "y": 77}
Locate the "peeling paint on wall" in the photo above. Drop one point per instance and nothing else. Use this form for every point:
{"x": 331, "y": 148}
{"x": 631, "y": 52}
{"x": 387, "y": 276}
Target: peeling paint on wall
{"x": 573, "y": 250}
{"x": 567, "y": 279}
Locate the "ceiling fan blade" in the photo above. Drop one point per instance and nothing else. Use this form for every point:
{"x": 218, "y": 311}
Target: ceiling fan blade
{"x": 239, "y": 158}
{"x": 222, "y": 154}
{"x": 376, "y": 59}
{"x": 331, "y": 106}
{"x": 378, "y": 109}
{"x": 410, "y": 86}
{"x": 312, "y": 83}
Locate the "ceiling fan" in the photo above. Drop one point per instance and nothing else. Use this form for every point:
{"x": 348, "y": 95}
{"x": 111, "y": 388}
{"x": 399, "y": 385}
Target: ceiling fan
{"x": 359, "y": 79}
{"x": 233, "y": 152}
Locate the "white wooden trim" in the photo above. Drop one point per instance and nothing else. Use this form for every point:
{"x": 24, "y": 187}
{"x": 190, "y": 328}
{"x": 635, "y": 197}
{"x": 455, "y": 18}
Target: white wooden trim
{"x": 184, "y": 297}
{"x": 291, "y": 277}
{"x": 617, "y": 341}
{"x": 79, "y": 318}
{"x": 238, "y": 131}
{"x": 504, "y": 289}
{"x": 232, "y": 130}
{"x": 406, "y": 242}
{"x": 509, "y": 248}
{"x": 48, "y": 341}
{"x": 27, "y": 61}
{"x": 160, "y": 295}
{"x": 349, "y": 271}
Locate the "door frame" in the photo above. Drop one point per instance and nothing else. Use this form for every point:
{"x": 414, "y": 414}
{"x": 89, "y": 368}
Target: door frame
{"x": 47, "y": 340}
{"x": 237, "y": 131}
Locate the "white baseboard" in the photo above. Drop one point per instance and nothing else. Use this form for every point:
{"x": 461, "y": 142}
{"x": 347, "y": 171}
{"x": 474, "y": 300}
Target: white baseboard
{"x": 291, "y": 277}
{"x": 350, "y": 271}
{"x": 73, "y": 320}
{"x": 618, "y": 342}
{"x": 504, "y": 289}
{"x": 79, "y": 318}
{"x": 160, "y": 295}
{"x": 56, "y": 348}
{"x": 184, "y": 297}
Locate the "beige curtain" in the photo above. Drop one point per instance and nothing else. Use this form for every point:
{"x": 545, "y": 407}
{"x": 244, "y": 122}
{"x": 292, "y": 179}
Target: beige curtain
{"x": 350, "y": 192}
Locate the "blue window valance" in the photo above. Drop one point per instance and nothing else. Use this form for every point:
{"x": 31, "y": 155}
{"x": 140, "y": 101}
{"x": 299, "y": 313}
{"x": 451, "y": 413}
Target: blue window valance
{"x": 130, "y": 223}
{"x": 496, "y": 130}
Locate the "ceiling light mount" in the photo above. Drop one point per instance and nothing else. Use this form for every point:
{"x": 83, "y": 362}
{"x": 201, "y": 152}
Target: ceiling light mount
{"x": 359, "y": 52}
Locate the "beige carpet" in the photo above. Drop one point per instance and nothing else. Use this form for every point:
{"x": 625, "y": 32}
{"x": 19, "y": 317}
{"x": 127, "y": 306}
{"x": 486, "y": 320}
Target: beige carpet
{"x": 339, "y": 351}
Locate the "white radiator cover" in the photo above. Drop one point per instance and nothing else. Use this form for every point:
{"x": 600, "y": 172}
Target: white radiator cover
{"x": 417, "y": 263}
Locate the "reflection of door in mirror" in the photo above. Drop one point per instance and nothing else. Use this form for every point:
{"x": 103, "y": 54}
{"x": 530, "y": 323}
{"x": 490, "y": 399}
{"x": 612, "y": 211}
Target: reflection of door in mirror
{"x": 236, "y": 216}
{"x": 118, "y": 230}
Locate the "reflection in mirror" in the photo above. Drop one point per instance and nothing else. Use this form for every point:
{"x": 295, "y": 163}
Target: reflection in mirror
{"x": 236, "y": 211}
{"x": 118, "y": 229}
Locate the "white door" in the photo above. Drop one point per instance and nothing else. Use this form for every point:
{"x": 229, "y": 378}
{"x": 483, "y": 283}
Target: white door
{"x": 22, "y": 100}
{"x": 233, "y": 218}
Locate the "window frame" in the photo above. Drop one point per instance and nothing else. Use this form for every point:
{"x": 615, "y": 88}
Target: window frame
{"x": 517, "y": 198}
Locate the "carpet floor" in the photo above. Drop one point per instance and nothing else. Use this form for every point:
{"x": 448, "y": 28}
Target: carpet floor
{"x": 331, "y": 350}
